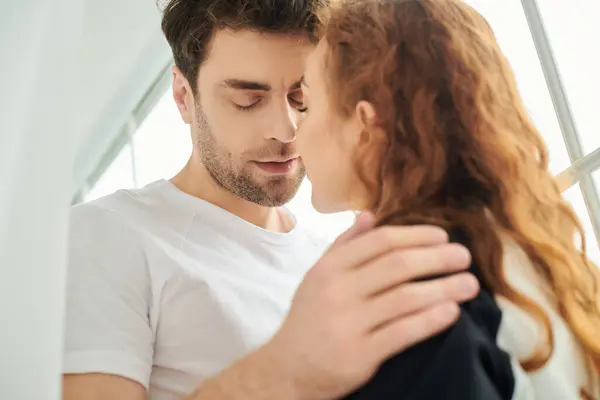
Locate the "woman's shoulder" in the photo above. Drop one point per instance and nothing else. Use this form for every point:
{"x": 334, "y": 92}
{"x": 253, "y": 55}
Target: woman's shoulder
{"x": 518, "y": 334}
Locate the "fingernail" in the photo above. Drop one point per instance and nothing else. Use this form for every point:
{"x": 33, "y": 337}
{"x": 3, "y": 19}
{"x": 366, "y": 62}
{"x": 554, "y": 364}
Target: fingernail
{"x": 365, "y": 217}
{"x": 470, "y": 283}
{"x": 462, "y": 255}
{"x": 449, "y": 310}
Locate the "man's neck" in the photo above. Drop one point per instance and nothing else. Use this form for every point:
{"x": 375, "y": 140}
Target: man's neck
{"x": 195, "y": 180}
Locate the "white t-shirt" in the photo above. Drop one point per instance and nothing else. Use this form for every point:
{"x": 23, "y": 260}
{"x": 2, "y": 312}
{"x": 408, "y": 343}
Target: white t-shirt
{"x": 167, "y": 289}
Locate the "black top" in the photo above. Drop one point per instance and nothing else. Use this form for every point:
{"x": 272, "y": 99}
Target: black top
{"x": 462, "y": 363}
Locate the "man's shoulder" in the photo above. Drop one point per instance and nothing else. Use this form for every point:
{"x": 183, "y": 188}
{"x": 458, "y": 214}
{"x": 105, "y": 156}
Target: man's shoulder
{"x": 134, "y": 210}
{"x": 103, "y": 225}
{"x": 110, "y": 211}
{"x": 124, "y": 201}
{"x": 125, "y": 233}
{"x": 98, "y": 210}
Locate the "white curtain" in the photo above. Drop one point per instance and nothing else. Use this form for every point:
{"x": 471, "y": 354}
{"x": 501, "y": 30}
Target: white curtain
{"x": 39, "y": 84}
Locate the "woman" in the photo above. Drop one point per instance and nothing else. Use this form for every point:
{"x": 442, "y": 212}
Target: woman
{"x": 412, "y": 112}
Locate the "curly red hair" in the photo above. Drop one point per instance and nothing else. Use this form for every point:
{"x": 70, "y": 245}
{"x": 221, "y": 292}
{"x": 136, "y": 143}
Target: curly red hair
{"x": 460, "y": 150}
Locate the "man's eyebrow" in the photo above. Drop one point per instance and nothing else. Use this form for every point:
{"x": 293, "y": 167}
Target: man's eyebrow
{"x": 245, "y": 85}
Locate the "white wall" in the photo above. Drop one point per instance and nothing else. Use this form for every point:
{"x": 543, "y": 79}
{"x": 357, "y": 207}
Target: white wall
{"x": 71, "y": 73}
{"x": 38, "y": 92}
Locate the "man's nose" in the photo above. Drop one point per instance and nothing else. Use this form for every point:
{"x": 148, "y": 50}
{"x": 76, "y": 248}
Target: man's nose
{"x": 282, "y": 126}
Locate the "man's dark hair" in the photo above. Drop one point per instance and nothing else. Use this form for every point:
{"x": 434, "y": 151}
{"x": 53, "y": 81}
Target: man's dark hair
{"x": 189, "y": 25}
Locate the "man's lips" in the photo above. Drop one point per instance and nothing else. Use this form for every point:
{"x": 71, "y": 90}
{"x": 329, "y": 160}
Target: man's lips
{"x": 278, "y": 167}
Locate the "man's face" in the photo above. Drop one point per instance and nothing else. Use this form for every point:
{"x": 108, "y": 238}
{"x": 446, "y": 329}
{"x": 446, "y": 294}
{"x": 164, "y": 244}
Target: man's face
{"x": 246, "y": 111}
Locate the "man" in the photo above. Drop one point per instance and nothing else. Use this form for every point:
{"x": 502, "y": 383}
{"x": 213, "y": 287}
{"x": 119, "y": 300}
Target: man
{"x": 184, "y": 289}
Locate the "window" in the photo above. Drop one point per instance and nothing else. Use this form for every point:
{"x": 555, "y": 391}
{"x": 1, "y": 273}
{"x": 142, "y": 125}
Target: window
{"x": 575, "y": 197}
{"x": 574, "y": 32}
{"x": 162, "y": 144}
{"x": 118, "y": 175}
{"x": 512, "y": 32}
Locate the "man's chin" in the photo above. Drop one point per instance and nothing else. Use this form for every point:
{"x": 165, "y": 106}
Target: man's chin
{"x": 281, "y": 191}
{"x": 278, "y": 191}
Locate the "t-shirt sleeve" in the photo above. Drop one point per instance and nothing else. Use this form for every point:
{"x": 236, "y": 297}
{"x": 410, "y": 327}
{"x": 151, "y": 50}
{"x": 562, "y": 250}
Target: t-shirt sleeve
{"x": 108, "y": 298}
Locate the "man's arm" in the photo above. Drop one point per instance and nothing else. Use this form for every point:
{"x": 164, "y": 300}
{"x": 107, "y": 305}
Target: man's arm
{"x": 108, "y": 344}
{"x": 258, "y": 376}
{"x": 355, "y": 308}
{"x": 101, "y": 387}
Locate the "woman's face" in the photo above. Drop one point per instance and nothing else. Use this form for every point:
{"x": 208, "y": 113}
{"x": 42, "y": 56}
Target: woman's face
{"x": 326, "y": 142}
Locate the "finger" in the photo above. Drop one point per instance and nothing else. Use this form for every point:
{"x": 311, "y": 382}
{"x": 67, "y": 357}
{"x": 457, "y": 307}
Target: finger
{"x": 410, "y": 298}
{"x": 363, "y": 223}
{"x": 382, "y": 240}
{"x": 407, "y": 265}
{"x": 405, "y": 332}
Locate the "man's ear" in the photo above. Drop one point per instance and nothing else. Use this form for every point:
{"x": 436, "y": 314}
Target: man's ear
{"x": 183, "y": 95}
